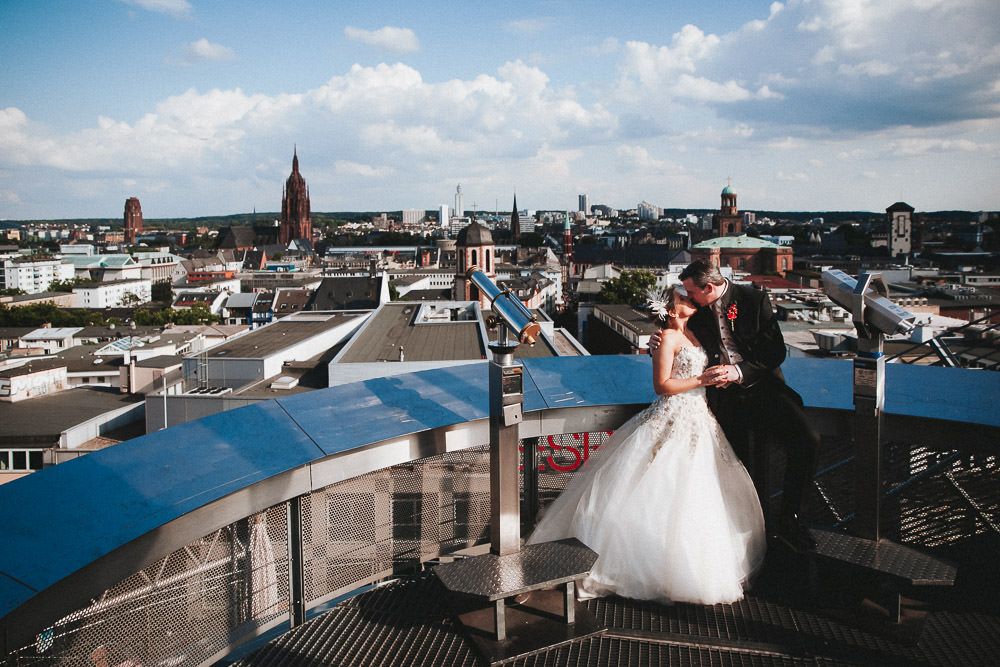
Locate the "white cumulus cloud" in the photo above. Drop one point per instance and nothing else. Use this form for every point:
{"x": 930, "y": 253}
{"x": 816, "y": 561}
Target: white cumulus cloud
{"x": 529, "y": 26}
{"x": 390, "y": 38}
{"x": 177, "y": 8}
{"x": 203, "y": 50}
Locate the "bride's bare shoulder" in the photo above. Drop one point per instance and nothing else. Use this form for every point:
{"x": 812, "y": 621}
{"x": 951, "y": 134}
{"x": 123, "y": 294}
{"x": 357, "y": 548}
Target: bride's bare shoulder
{"x": 670, "y": 339}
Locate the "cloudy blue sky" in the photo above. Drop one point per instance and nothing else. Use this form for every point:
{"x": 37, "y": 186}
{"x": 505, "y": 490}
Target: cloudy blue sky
{"x": 194, "y": 106}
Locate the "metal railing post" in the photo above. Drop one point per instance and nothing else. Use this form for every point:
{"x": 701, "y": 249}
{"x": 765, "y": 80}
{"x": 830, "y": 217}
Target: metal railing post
{"x": 296, "y": 569}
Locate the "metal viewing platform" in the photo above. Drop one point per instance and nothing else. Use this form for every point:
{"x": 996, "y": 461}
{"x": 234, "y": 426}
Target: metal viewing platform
{"x": 313, "y": 522}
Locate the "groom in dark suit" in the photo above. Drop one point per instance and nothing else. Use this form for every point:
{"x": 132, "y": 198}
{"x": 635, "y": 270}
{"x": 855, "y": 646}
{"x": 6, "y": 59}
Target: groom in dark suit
{"x": 745, "y": 349}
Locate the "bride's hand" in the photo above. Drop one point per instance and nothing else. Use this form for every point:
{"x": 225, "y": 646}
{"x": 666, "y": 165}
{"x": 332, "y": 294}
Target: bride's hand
{"x": 707, "y": 379}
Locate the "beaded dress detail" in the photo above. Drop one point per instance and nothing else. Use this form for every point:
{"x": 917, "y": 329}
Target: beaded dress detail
{"x": 666, "y": 504}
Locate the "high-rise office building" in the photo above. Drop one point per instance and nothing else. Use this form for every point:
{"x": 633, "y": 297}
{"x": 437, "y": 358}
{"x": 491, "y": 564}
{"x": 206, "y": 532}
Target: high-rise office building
{"x": 443, "y": 216}
{"x": 584, "y": 204}
{"x": 459, "y": 206}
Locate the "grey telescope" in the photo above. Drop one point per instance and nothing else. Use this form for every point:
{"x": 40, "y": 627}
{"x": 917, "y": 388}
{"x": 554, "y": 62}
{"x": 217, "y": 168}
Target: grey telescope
{"x": 507, "y": 306}
{"x": 879, "y": 312}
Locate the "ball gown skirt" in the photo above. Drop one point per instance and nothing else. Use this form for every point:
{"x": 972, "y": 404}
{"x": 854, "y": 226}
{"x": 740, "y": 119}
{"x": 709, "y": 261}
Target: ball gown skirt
{"x": 666, "y": 504}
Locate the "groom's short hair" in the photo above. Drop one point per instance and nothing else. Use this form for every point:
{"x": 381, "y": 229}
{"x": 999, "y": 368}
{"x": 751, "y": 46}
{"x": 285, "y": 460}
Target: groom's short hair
{"x": 702, "y": 273}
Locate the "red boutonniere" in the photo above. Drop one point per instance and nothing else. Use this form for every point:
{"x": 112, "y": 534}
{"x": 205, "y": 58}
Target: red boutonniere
{"x": 732, "y": 312}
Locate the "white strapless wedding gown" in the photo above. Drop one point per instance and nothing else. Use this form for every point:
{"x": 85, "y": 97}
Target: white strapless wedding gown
{"x": 666, "y": 504}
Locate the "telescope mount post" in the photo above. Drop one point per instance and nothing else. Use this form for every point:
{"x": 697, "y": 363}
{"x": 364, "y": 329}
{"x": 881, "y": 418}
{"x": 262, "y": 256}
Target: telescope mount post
{"x": 869, "y": 402}
{"x": 506, "y": 412}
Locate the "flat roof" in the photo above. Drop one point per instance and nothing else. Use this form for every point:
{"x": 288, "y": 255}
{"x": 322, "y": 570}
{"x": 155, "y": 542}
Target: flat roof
{"x": 442, "y": 294}
{"x": 98, "y": 283}
{"x": 278, "y": 335}
{"x": 392, "y": 326}
{"x": 52, "y": 333}
{"x": 628, "y": 316}
{"x": 83, "y": 358}
{"x": 40, "y": 420}
{"x": 160, "y": 361}
{"x": 10, "y": 333}
{"x": 33, "y": 366}
{"x": 40, "y": 296}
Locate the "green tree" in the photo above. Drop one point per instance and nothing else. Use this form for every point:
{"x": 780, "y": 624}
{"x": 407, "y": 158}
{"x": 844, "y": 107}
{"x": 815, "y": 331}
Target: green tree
{"x": 630, "y": 287}
{"x": 12, "y": 291}
{"x": 197, "y": 314}
{"x": 162, "y": 292}
{"x": 128, "y": 300}
{"x": 64, "y": 285}
{"x": 45, "y": 313}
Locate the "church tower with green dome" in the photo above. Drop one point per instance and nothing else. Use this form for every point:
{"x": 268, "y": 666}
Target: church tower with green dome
{"x": 728, "y": 221}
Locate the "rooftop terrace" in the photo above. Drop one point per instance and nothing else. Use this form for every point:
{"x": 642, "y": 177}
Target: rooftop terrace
{"x": 178, "y": 547}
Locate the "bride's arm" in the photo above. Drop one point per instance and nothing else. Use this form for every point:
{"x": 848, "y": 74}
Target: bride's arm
{"x": 663, "y": 363}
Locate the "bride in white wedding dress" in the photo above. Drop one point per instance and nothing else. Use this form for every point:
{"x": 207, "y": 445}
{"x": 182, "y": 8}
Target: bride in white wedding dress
{"x": 665, "y": 503}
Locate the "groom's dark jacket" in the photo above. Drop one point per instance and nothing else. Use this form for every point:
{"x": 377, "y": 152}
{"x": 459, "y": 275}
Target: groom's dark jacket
{"x": 755, "y": 332}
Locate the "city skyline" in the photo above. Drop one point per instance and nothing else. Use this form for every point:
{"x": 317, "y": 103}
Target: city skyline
{"x": 194, "y": 108}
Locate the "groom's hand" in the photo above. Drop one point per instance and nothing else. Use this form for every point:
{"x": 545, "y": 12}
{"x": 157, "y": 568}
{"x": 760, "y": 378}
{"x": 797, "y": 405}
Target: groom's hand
{"x": 654, "y": 341}
{"x": 724, "y": 375}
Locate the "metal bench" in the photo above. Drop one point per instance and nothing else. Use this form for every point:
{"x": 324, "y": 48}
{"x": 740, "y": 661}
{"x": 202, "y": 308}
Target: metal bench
{"x": 534, "y": 567}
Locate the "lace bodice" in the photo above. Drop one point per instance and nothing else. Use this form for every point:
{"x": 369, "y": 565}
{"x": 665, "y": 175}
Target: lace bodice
{"x": 681, "y": 416}
{"x": 689, "y": 362}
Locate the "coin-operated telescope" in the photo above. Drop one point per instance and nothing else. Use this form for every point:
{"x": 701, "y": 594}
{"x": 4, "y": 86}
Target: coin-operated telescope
{"x": 875, "y": 316}
{"x": 873, "y": 312}
{"x": 511, "y": 315}
{"x": 510, "y": 570}
{"x": 515, "y": 324}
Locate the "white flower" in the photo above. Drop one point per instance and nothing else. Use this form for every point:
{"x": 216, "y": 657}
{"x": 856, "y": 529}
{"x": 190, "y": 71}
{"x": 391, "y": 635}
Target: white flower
{"x": 656, "y": 304}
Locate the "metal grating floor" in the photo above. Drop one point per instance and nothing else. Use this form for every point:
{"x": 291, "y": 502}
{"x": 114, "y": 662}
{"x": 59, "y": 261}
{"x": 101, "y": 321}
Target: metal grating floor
{"x": 779, "y": 623}
{"x": 404, "y": 623}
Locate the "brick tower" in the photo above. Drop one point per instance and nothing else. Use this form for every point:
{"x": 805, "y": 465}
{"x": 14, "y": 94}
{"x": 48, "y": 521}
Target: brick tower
{"x": 295, "y": 220}
{"x": 567, "y": 240}
{"x": 133, "y": 220}
{"x": 728, "y": 221}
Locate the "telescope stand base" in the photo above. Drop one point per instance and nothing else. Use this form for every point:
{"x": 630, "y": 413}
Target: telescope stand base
{"x": 520, "y": 602}
{"x": 536, "y": 623}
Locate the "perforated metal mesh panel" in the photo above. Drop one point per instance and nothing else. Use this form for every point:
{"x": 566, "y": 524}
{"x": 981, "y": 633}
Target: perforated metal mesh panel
{"x": 561, "y": 456}
{"x": 180, "y": 609}
{"x": 390, "y": 520}
{"x": 189, "y": 606}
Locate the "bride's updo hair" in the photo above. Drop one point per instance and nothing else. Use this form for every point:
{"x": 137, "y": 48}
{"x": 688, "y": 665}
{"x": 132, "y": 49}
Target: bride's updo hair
{"x": 658, "y": 305}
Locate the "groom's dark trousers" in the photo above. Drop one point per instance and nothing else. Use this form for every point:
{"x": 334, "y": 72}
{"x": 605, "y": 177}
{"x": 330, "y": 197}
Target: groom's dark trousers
{"x": 762, "y": 405}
